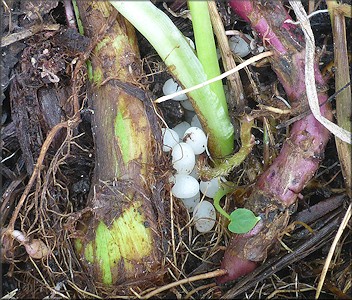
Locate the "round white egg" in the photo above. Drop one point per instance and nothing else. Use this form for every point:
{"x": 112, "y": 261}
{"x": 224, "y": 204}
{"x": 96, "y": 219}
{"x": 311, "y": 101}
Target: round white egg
{"x": 196, "y": 138}
{"x": 185, "y": 186}
{"x": 191, "y": 203}
{"x": 239, "y": 46}
{"x": 183, "y": 158}
{"x": 171, "y": 86}
{"x": 218, "y": 54}
{"x": 170, "y": 138}
{"x": 204, "y": 216}
{"x": 209, "y": 188}
{"x": 186, "y": 104}
{"x": 195, "y": 122}
{"x": 194, "y": 172}
{"x": 188, "y": 115}
{"x": 181, "y": 128}
{"x": 190, "y": 42}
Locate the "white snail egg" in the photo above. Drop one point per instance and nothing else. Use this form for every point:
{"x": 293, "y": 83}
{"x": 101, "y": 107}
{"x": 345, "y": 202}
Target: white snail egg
{"x": 186, "y": 104}
{"x": 185, "y": 186}
{"x": 239, "y": 46}
{"x": 218, "y": 54}
{"x": 191, "y": 203}
{"x": 195, "y": 122}
{"x": 170, "y": 138}
{"x": 196, "y": 138}
{"x": 190, "y": 42}
{"x": 188, "y": 115}
{"x": 204, "y": 216}
{"x": 209, "y": 188}
{"x": 171, "y": 86}
{"x": 194, "y": 172}
{"x": 183, "y": 158}
{"x": 181, "y": 128}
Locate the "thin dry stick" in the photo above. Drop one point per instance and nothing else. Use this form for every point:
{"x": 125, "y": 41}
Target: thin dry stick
{"x": 226, "y": 54}
{"x": 332, "y": 250}
{"x": 85, "y": 293}
{"x": 207, "y": 286}
{"x": 212, "y": 274}
{"x": 10, "y": 295}
{"x": 276, "y": 292}
{"x": 275, "y": 109}
{"x": 46, "y": 284}
{"x": 311, "y": 89}
{"x": 15, "y": 37}
{"x": 311, "y": 6}
{"x": 221, "y": 76}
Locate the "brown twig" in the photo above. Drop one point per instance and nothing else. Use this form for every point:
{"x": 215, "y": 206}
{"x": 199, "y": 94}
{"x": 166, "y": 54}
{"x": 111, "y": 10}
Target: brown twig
{"x": 275, "y": 109}
{"x": 207, "y": 286}
{"x": 212, "y": 274}
{"x": 227, "y": 56}
{"x": 15, "y": 37}
{"x": 332, "y": 249}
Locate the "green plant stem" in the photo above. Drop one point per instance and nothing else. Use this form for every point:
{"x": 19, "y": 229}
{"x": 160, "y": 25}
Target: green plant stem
{"x": 78, "y": 18}
{"x": 228, "y": 164}
{"x": 205, "y": 45}
{"x": 219, "y": 194}
{"x": 183, "y": 64}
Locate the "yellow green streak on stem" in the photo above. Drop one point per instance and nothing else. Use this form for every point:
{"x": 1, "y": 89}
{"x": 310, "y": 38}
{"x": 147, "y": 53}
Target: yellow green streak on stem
{"x": 127, "y": 240}
{"x": 130, "y": 131}
{"x": 123, "y": 132}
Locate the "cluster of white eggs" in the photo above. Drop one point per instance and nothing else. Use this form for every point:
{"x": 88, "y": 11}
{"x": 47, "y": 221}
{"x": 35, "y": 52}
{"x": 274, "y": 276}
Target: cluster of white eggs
{"x": 186, "y": 141}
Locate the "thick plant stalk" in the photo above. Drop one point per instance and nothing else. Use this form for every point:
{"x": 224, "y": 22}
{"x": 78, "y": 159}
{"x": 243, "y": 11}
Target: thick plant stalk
{"x": 119, "y": 241}
{"x": 276, "y": 191}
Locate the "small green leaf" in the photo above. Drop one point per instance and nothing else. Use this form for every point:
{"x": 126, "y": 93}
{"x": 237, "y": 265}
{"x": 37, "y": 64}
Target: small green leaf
{"x": 242, "y": 220}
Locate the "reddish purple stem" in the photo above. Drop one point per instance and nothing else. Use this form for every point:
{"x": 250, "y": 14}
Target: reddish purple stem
{"x": 248, "y": 12}
{"x": 70, "y": 15}
{"x": 277, "y": 189}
